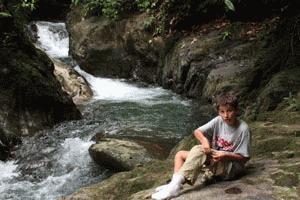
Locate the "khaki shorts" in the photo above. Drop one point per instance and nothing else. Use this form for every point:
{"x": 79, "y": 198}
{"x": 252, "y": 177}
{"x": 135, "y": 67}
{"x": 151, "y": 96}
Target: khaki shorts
{"x": 198, "y": 162}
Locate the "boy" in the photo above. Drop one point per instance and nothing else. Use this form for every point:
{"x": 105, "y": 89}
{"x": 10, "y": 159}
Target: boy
{"x": 225, "y": 148}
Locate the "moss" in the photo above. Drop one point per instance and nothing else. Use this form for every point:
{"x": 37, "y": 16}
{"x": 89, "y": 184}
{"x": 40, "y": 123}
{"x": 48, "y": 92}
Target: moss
{"x": 285, "y": 179}
{"x": 123, "y": 185}
{"x": 286, "y": 194}
{"x": 293, "y": 168}
{"x": 277, "y": 116}
{"x": 248, "y": 181}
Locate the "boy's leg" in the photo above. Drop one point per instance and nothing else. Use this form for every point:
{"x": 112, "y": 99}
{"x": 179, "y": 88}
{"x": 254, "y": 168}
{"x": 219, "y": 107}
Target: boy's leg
{"x": 193, "y": 164}
{"x": 179, "y": 159}
{"x": 189, "y": 171}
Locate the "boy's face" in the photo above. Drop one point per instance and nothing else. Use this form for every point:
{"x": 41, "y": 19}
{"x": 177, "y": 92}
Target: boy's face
{"x": 228, "y": 114}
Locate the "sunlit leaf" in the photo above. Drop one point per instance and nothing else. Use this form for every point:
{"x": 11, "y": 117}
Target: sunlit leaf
{"x": 229, "y": 5}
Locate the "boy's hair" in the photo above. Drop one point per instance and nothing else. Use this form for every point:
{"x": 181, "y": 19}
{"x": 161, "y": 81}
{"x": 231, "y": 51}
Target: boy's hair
{"x": 226, "y": 99}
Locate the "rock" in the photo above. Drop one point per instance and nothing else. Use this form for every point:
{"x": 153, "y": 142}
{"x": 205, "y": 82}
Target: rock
{"x": 31, "y": 98}
{"x": 202, "y": 66}
{"x": 119, "y": 155}
{"x": 110, "y": 48}
{"x": 123, "y": 184}
{"x": 285, "y": 179}
{"x": 72, "y": 82}
{"x": 279, "y": 87}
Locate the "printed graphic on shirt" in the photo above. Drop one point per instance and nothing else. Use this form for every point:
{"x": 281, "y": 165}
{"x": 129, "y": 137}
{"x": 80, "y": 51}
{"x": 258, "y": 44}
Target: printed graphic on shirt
{"x": 224, "y": 145}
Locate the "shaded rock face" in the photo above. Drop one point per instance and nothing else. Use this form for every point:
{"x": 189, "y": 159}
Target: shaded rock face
{"x": 113, "y": 48}
{"x": 119, "y": 155}
{"x": 31, "y": 98}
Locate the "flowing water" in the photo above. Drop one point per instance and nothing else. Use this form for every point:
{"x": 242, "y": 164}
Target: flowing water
{"x": 56, "y": 162}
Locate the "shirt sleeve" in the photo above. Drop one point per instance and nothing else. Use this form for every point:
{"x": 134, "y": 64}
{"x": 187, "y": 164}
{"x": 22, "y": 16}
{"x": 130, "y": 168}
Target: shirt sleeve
{"x": 208, "y": 128}
{"x": 244, "y": 147}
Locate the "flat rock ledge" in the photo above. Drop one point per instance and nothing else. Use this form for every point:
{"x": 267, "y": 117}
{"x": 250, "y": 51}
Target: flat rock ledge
{"x": 119, "y": 155}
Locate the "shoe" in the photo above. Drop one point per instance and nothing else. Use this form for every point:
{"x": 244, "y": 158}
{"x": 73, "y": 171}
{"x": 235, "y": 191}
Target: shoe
{"x": 159, "y": 188}
{"x": 167, "y": 192}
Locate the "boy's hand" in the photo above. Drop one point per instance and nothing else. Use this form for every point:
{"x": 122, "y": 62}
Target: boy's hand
{"x": 206, "y": 149}
{"x": 218, "y": 156}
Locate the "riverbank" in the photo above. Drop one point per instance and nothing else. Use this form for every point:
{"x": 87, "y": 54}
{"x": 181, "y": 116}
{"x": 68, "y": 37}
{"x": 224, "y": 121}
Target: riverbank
{"x": 272, "y": 173}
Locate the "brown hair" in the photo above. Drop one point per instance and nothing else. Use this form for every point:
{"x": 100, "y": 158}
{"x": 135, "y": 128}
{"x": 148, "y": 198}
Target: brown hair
{"x": 226, "y": 99}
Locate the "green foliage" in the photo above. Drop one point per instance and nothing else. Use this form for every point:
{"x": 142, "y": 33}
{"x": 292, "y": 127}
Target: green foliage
{"x": 113, "y": 8}
{"x": 149, "y": 22}
{"x": 28, "y": 4}
{"x": 143, "y": 4}
{"x": 229, "y": 5}
{"x": 166, "y": 15}
{"x": 75, "y": 2}
{"x": 108, "y": 8}
{"x": 226, "y": 35}
{"x": 5, "y": 14}
{"x": 293, "y": 102}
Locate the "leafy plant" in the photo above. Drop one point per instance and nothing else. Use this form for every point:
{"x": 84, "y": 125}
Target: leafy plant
{"x": 143, "y": 4}
{"x": 5, "y": 14}
{"x": 229, "y": 5}
{"x": 30, "y": 4}
{"x": 149, "y": 22}
{"x": 226, "y": 35}
{"x": 76, "y": 2}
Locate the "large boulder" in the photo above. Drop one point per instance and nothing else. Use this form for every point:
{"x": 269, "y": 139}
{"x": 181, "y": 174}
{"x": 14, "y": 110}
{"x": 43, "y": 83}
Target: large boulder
{"x": 279, "y": 87}
{"x": 119, "y": 155}
{"x": 110, "y": 48}
{"x": 31, "y": 98}
{"x": 199, "y": 66}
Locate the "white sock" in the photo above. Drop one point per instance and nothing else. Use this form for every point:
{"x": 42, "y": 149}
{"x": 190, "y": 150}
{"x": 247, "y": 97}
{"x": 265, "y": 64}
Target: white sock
{"x": 159, "y": 188}
{"x": 169, "y": 190}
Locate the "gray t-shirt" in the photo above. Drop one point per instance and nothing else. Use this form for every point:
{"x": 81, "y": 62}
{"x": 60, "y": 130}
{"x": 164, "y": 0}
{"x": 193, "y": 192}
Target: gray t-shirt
{"x": 223, "y": 137}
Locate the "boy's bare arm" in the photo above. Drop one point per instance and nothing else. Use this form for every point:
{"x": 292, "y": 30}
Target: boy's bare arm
{"x": 223, "y": 155}
{"x": 203, "y": 140}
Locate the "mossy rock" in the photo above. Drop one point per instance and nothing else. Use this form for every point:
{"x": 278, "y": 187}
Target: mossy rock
{"x": 279, "y": 87}
{"x": 276, "y": 144}
{"x": 123, "y": 185}
{"x": 285, "y": 179}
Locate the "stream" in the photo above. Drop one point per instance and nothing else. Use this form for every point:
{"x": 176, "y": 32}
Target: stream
{"x": 56, "y": 162}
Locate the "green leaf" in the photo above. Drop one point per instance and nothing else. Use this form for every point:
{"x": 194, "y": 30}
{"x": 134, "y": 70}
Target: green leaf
{"x": 229, "y": 5}
{"x": 5, "y": 14}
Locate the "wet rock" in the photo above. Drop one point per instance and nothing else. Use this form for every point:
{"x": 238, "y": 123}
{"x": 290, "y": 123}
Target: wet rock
{"x": 72, "y": 82}
{"x": 31, "y": 98}
{"x": 114, "y": 48}
{"x": 119, "y": 155}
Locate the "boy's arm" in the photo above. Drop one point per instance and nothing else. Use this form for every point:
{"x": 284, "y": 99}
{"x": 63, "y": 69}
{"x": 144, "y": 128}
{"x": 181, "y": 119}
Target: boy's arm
{"x": 223, "y": 155}
{"x": 203, "y": 140}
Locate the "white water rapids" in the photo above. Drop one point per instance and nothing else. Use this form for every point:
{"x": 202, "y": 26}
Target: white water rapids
{"x": 56, "y": 162}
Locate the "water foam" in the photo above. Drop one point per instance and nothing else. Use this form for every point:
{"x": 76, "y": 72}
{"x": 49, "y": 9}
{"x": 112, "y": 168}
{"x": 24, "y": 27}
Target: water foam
{"x": 118, "y": 90}
{"x": 53, "y": 38}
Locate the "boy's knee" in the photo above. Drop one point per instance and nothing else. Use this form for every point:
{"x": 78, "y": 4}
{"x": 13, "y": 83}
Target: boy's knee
{"x": 180, "y": 155}
{"x": 197, "y": 148}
